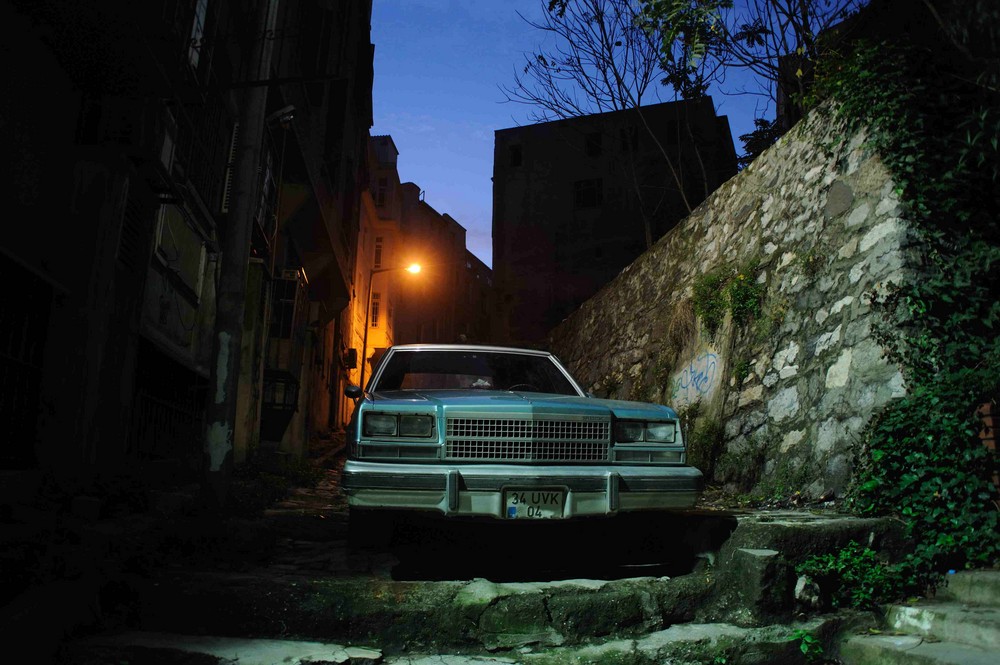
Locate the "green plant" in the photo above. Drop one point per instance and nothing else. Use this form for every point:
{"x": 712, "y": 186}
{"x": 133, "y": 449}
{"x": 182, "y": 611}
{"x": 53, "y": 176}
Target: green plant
{"x": 710, "y": 299}
{"x": 745, "y": 295}
{"x": 812, "y": 261}
{"x": 741, "y": 371}
{"x": 735, "y": 291}
{"x": 931, "y": 116}
{"x": 853, "y": 576}
{"x": 809, "y": 645}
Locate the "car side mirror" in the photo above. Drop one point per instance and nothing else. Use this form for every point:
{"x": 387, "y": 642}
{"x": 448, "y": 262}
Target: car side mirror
{"x": 353, "y": 392}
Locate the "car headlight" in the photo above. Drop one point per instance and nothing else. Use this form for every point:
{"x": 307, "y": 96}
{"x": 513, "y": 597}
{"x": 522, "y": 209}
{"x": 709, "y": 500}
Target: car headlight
{"x": 627, "y": 431}
{"x": 422, "y": 426}
{"x": 398, "y": 425}
{"x": 638, "y": 431}
{"x": 661, "y": 432}
{"x": 377, "y": 424}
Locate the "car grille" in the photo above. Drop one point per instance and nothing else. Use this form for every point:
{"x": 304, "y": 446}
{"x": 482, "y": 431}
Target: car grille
{"x": 525, "y": 440}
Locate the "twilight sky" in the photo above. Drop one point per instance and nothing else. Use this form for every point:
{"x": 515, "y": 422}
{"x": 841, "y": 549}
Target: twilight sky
{"x": 438, "y": 65}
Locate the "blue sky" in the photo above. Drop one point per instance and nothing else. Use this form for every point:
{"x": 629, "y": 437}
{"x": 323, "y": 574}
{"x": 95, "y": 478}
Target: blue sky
{"x": 438, "y": 68}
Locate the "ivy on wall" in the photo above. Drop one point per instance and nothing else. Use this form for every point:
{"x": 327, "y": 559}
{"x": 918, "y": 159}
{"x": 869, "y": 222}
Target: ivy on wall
{"x": 937, "y": 129}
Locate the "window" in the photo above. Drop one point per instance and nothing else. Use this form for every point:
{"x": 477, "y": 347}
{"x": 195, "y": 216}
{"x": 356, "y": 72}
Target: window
{"x": 588, "y": 193}
{"x": 197, "y": 32}
{"x": 377, "y": 260}
{"x": 594, "y": 144}
{"x": 376, "y": 306}
{"x": 381, "y": 190}
{"x": 514, "y": 152}
{"x": 283, "y": 308}
{"x": 629, "y": 139}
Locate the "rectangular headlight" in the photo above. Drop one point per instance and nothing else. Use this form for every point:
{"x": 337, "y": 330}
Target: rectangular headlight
{"x": 422, "y": 426}
{"x": 638, "y": 431}
{"x": 661, "y": 432}
{"x": 378, "y": 424}
{"x": 628, "y": 431}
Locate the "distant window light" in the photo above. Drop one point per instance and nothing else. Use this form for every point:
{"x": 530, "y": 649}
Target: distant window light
{"x": 377, "y": 259}
{"x": 588, "y": 193}
{"x": 594, "y": 144}
{"x": 515, "y": 155}
{"x": 376, "y": 306}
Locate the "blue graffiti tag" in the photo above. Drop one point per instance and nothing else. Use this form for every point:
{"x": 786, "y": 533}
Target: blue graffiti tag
{"x": 698, "y": 376}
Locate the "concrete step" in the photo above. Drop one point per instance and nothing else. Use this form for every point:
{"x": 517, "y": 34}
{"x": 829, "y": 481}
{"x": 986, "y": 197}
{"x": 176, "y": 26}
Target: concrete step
{"x": 149, "y": 648}
{"x": 689, "y": 643}
{"x": 975, "y": 625}
{"x": 911, "y": 650}
{"x": 960, "y": 625}
{"x": 976, "y": 587}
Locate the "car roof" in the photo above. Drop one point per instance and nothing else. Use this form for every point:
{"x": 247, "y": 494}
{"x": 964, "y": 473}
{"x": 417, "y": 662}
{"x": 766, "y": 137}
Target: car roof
{"x": 468, "y": 347}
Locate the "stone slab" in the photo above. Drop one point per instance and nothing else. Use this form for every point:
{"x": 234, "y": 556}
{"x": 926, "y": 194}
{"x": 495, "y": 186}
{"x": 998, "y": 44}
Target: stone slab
{"x": 911, "y": 650}
{"x": 974, "y": 625}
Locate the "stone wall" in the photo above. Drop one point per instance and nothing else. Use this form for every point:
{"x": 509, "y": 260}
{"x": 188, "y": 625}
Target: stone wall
{"x": 772, "y": 404}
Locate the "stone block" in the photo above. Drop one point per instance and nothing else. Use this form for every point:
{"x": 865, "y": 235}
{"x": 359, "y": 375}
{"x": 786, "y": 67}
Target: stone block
{"x": 840, "y": 370}
{"x": 858, "y": 216}
{"x": 515, "y": 621}
{"x": 761, "y": 583}
{"x": 785, "y": 404}
{"x": 614, "y": 611}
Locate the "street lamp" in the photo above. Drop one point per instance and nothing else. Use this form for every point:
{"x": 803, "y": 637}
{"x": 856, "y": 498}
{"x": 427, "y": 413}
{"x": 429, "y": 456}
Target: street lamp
{"x": 413, "y": 268}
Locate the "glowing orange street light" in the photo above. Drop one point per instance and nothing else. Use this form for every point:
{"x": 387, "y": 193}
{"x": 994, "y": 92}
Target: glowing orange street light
{"x": 413, "y": 269}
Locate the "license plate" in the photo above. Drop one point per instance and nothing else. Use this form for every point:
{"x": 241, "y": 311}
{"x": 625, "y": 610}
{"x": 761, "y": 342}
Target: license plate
{"x": 534, "y": 503}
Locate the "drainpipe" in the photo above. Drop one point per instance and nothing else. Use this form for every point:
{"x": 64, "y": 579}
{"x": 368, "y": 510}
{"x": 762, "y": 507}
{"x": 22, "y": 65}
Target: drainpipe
{"x": 220, "y": 411}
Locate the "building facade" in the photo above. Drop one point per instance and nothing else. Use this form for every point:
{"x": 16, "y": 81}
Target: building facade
{"x": 576, "y": 200}
{"x": 125, "y": 138}
{"x": 370, "y": 320}
{"x": 429, "y": 307}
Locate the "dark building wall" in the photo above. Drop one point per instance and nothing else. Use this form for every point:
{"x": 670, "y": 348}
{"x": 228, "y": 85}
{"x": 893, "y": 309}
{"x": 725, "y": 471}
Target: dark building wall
{"x": 428, "y": 303}
{"x": 476, "y": 301}
{"x": 85, "y": 143}
{"x": 118, "y": 124}
{"x": 450, "y": 300}
{"x": 575, "y": 201}
{"x": 324, "y": 63}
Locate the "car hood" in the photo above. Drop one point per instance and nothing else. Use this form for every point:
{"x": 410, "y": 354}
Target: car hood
{"x": 511, "y": 402}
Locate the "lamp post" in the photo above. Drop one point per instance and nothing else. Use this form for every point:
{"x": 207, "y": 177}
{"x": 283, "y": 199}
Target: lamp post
{"x": 414, "y": 269}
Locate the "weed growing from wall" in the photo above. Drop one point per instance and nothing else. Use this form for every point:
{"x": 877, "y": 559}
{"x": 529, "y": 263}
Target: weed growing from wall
{"x": 733, "y": 291}
{"x": 741, "y": 370}
{"x": 937, "y": 129}
{"x": 745, "y": 295}
{"x": 710, "y": 299}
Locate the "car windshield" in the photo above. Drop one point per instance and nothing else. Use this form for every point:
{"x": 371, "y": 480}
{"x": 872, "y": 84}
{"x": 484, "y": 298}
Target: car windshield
{"x": 471, "y": 370}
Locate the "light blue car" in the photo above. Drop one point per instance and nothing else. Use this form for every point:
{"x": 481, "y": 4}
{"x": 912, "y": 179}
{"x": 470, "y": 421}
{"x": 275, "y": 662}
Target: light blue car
{"x": 481, "y": 431}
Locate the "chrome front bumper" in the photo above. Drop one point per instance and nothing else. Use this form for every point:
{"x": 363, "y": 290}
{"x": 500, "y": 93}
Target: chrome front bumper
{"x": 477, "y": 490}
